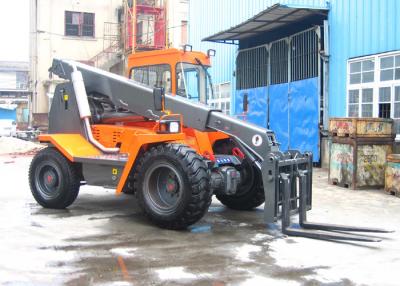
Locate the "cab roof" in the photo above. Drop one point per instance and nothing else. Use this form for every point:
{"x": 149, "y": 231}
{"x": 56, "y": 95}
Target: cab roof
{"x": 168, "y": 56}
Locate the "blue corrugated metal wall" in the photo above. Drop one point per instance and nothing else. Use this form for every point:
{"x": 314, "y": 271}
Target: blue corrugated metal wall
{"x": 357, "y": 28}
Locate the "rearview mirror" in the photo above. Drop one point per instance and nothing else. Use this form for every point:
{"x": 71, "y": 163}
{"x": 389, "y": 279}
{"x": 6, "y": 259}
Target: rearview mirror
{"x": 158, "y": 95}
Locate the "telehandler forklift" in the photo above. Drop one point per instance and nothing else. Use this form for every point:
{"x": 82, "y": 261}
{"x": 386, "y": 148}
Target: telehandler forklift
{"x": 152, "y": 135}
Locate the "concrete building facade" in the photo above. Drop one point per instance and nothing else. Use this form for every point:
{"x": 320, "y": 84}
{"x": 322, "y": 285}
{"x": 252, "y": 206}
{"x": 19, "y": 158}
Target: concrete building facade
{"x": 67, "y": 29}
{"x": 93, "y": 32}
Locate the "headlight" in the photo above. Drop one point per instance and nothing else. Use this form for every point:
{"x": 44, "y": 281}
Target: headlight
{"x": 169, "y": 126}
{"x": 173, "y": 127}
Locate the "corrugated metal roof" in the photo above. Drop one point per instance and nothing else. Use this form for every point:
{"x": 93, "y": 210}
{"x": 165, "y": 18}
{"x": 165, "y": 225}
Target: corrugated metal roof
{"x": 272, "y": 18}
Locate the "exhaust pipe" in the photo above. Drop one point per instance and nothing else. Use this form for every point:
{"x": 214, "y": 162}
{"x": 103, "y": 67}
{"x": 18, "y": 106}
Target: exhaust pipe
{"x": 84, "y": 109}
{"x": 94, "y": 141}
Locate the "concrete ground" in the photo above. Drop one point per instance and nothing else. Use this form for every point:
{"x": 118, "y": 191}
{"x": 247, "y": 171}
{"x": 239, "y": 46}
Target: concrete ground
{"x": 103, "y": 240}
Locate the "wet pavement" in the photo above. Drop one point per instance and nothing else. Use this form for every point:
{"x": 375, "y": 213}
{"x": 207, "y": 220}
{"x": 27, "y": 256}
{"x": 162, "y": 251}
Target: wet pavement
{"x": 103, "y": 240}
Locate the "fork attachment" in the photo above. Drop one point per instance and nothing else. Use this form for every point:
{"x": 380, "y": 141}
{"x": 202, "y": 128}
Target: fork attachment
{"x": 287, "y": 178}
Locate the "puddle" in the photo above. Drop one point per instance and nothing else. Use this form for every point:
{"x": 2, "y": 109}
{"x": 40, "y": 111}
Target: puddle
{"x": 200, "y": 228}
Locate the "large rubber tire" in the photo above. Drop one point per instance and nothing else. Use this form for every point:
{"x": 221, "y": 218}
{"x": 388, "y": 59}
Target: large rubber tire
{"x": 53, "y": 179}
{"x": 250, "y": 193}
{"x": 172, "y": 186}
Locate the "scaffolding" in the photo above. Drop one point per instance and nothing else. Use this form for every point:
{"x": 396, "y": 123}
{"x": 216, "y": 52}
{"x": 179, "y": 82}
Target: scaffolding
{"x": 141, "y": 27}
{"x": 144, "y": 24}
{"x": 112, "y": 48}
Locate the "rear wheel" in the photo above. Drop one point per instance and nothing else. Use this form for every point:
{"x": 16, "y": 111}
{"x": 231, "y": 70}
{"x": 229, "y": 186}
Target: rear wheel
{"x": 250, "y": 193}
{"x": 172, "y": 186}
{"x": 53, "y": 179}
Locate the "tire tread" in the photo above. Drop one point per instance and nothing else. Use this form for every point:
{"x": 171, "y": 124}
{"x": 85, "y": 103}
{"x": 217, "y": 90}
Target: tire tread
{"x": 72, "y": 179}
{"x": 198, "y": 179}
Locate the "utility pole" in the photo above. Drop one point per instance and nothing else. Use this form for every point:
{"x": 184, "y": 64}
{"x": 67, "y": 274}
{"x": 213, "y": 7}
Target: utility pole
{"x": 33, "y": 59}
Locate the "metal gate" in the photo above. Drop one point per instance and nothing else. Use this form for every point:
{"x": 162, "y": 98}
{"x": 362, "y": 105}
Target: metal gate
{"x": 280, "y": 84}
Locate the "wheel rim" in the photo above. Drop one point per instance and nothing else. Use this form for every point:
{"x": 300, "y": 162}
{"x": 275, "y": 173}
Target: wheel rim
{"x": 163, "y": 188}
{"x": 47, "y": 180}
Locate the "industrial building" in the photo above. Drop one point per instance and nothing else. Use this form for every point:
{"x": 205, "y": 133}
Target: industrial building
{"x": 292, "y": 65}
{"x": 14, "y": 92}
{"x": 68, "y": 29}
{"x": 100, "y": 33}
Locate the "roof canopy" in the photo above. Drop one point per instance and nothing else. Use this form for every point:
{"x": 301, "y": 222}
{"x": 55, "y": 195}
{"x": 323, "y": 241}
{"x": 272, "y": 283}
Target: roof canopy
{"x": 273, "y": 18}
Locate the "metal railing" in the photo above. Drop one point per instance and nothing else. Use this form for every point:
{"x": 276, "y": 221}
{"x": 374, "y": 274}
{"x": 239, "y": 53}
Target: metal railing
{"x": 279, "y": 62}
{"x": 288, "y": 59}
{"x": 111, "y": 45}
{"x": 252, "y": 68}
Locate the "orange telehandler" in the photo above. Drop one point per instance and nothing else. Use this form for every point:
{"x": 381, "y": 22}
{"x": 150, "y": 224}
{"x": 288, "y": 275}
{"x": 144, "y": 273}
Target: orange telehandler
{"x": 152, "y": 135}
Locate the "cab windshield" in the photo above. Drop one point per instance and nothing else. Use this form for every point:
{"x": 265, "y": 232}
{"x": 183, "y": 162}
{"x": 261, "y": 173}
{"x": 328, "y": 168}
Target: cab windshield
{"x": 193, "y": 81}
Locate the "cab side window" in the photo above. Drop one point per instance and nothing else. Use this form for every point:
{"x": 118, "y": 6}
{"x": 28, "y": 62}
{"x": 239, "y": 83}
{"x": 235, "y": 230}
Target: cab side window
{"x": 153, "y": 76}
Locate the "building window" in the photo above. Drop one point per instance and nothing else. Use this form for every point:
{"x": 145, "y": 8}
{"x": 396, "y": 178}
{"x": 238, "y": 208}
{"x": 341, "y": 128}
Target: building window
{"x": 153, "y": 76}
{"x": 362, "y": 71}
{"x": 384, "y": 102}
{"x": 396, "y": 102}
{"x": 79, "y": 24}
{"x": 366, "y": 102}
{"x": 222, "y": 97}
{"x": 373, "y": 86}
{"x": 390, "y": 68}
{"x": 354, "y": 102}
{"x": 22, "y": 80}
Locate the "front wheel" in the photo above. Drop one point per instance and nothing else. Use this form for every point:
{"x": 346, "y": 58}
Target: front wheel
{"x": 172, "y": 186}
{"x": 53, "y": 179}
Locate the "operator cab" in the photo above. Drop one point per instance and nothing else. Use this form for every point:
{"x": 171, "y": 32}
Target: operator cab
{"x": 190, "y": 69}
